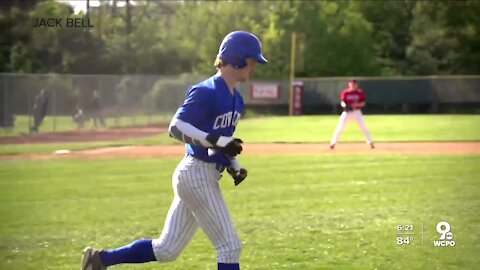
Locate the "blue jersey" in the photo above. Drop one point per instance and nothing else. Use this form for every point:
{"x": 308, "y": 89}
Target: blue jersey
{"x": 211, "y": 107}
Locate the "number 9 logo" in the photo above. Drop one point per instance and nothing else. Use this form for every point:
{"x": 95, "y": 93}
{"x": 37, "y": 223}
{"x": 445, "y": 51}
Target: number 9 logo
{"x": 441, "y": 231}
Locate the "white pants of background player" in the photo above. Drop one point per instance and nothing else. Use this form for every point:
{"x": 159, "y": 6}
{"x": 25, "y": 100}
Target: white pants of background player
{"x": 198, "y": 202}
{"x": 346, "y": 117}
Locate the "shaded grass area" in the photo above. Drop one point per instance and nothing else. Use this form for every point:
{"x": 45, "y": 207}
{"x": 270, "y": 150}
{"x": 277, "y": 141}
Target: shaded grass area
{"x": 65, "y": 123}
{"x": 293, "y": 212}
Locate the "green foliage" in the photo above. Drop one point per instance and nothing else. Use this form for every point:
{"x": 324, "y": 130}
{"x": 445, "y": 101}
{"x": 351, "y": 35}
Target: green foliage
{"x": 340, "y": 38}
{"x": 129, "y": 91}
{"x": 161, "y": 94}
{"x": 425, "y": 37}
{"x": 61, "y": 49}
{"x": 464, "y": 26}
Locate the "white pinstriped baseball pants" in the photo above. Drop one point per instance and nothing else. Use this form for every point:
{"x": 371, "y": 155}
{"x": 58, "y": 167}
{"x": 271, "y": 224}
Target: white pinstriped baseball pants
{"x": 198, "y": 202}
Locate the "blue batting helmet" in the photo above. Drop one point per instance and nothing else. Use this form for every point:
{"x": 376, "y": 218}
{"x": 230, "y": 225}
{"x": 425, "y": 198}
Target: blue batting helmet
{"x": 237, "y": 46}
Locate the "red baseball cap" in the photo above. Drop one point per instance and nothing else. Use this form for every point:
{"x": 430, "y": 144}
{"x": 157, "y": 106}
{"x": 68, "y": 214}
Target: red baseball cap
{"x": 353, "y": 81}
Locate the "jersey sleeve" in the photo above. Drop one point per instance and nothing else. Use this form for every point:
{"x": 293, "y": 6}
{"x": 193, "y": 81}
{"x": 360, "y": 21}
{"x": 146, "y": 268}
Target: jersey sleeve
{"x": 189, "y": 117}
{"x": 342, "y": 95}
{"x": 196, "y": 106}
{"x": 187, "y": 133}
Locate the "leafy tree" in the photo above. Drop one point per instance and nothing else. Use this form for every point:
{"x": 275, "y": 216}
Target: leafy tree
{"x": 341, "y": 38}
{"x": 391, "y": 22}
{"x": 16, "y": 31}
{"x": 463, "y": 26}
{"x": 431, "y": 48}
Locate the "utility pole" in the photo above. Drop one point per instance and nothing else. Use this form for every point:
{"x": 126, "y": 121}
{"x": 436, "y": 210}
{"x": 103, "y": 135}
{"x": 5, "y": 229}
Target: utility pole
{"x": 292, "y": 72}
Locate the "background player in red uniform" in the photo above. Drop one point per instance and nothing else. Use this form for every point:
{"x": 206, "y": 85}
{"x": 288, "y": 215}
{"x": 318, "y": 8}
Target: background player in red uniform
{"x": 352, "y": 101}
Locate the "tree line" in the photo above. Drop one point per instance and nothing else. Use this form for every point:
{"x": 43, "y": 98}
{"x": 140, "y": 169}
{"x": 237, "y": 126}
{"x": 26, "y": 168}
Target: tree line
{"x": 336, "y": 38}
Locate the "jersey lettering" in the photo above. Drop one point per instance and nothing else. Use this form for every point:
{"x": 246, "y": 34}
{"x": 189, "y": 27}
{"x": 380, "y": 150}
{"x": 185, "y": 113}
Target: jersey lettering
{"x": 225, "y": 120}
{"x": 352, "y": 97}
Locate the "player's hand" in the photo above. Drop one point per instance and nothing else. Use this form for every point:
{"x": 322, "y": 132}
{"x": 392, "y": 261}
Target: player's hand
{"x": 237, "y": 175}
{"x": 228, "y": 145}
{"x": 348, "y": 108}
{"x": 233, "y": 148}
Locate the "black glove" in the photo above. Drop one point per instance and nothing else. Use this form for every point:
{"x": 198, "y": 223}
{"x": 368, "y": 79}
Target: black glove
{"x": 238, "y": 176}
{"x": 348, "y": 108}
{"x": 231, "y": 149}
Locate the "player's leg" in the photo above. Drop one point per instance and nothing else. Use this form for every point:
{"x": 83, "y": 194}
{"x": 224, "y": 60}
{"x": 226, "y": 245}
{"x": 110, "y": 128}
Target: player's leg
{"x": 101, "y": 118}
{"x": 41, "y": 118}
{"x": 95, "y": 120}
{"x": 206, "y": 202}
{"x": 342, "y": 121}
{"x": 179, "y": 228}
{"x": 139, "y": 251}
{"x": 212, "y": 216}
{"x": 363, "y": 127}
{"x": 92, "y": 117}
{"x": 36, "y": 121}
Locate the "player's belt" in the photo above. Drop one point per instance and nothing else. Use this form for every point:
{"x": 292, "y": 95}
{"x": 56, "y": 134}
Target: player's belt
{"x": 219, "y": 167}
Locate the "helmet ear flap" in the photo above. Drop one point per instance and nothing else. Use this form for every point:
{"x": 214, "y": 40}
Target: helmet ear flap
{"x": 235, "y": 61}
{"x": 239, "y": 63}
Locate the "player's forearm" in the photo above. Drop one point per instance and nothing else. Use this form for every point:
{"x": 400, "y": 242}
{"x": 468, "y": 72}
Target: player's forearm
{"x": 188, "y": 133}
{"x": 234, "y": 164}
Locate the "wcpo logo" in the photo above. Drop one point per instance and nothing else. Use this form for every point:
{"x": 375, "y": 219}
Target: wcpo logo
{"x": 446, "y": 236}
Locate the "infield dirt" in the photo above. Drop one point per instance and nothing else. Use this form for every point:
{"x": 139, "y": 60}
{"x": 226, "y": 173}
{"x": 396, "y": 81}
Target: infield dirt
{"x": 262, "y": 149}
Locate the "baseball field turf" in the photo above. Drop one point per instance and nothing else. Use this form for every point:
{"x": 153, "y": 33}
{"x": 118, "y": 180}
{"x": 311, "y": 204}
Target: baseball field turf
{"x": 293, "y": 212}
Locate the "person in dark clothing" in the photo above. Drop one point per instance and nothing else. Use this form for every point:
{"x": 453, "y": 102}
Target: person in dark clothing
{"x": 96, "y": 110}
{"x": 40, "y": 107}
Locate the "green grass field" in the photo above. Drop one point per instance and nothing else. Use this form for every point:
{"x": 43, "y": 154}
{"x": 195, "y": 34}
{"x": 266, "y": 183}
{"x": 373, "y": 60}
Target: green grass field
{"x": 294, "y": 212}
{"x": 320, "y": 213}
{"x": 384, "y": 128}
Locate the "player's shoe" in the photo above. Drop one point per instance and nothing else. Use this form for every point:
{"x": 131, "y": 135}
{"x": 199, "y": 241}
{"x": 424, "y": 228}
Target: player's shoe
{"x": 91, "y": 260}
{"x": 332, "y": 146}
{"x": 372, "y": 146}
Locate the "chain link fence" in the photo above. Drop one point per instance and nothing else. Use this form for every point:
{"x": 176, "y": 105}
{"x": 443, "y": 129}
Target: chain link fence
{"x": 398, "y": 94}
{"x": 76, "y": 101}
{"x": 442, "y": 89}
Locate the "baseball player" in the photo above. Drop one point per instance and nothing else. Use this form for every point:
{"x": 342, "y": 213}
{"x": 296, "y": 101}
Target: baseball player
{"x": 352, "y": 101}
{"x": 205, "y": 123}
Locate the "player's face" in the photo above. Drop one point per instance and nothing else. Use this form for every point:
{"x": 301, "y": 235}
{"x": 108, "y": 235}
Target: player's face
{"x": 244, "y": 73}
{"x": 352, "y": 85}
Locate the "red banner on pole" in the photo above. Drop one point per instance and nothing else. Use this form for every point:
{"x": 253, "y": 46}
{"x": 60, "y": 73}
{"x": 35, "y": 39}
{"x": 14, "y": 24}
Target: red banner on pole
{"x": 297, "y": 98}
